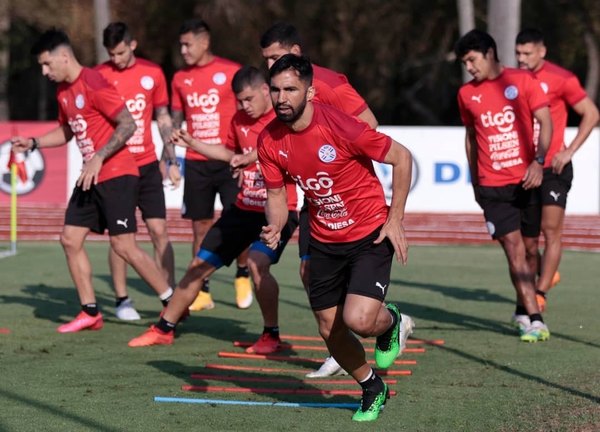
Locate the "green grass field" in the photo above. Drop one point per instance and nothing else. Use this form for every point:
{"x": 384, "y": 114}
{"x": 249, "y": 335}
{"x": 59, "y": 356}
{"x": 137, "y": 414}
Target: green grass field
{"x": 482, "y": 379}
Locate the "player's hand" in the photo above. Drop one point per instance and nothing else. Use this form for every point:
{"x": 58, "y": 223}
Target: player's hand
{"x": 89, "y": 173}
{"x": 20, "y": 144}
{"x": 174, "y": 175}
{"x": 394, "y": 231}
{"x": 270, "y": 236}
{"x": 560, "y": 160}
{"x": 237, "y": 164}
{"x": 533, "y": 176}
{"x": 181, "y": 137}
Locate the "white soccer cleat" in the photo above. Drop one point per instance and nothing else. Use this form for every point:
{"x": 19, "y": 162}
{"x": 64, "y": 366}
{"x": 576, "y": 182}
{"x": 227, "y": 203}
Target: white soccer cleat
{"x": 407, "y": 326}
{"x": 521, "y": 322}
{"x": 126, "y": 312}
{"x": 330, "y": 367}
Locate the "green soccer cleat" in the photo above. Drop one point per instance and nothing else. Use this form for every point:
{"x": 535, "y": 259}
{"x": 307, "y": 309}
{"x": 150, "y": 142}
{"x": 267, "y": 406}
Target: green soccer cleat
{"x": 371, "y": 405}
{"x": 388, "y": 347}
{"x": 537, "y": 331}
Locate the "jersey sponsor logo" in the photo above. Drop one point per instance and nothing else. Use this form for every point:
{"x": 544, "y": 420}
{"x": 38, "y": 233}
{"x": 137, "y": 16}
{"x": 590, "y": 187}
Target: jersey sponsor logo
{"x": 320, "y": 186}
{"x": 206, "y": 102}
{"x": 503, "y": 120}
{"x": 245, "y": 131}
{"x": 511, "y": 92}
{"x": 219, "y": 78}
{"x": 147, "y": 82}
{"x": 476, "y": 98}
{"x": 544, "y": 87}
{"x": 327, "y": 153}
{"x": 79, "y": 127}
{"x": 79, "y": 101}
{"x": 136, "y": 106}
{"x": 188, "y": 81}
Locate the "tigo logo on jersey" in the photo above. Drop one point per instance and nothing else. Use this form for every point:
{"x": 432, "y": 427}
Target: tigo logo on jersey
{"x": 320, "y": 186}
{"x": 136, "y": 106}
{"x": 219, "y": 78}
{"x": 79, "y": 101}
{"x": 207, "y": 102}
{"x": 147, "y": 82}
{"x": 511, "y": 92}
{"x": 327, "y": 153}
{"x": 503, "y": 120}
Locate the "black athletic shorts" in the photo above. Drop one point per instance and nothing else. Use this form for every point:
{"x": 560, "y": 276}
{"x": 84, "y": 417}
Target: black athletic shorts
{"x": 110, "y": 204}
{"x": 303, "y": 232}
{"x": 203, "y": 180}
{"x": 556, "y": 187}
{"x": 359, "y": 267}
{"x": 151, "y": 194}
{"x": 237, "y": 229}
{"x": 510, "y": 208}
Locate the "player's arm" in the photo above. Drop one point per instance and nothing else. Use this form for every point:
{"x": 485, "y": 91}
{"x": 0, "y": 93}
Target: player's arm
{"x": 168, "y": 157}
{"x": 471, "y": 151}
{"x": 54, "y": 138}
{"x": 535, "y": 171}
{"x": 369, "y": 118}
{"x": 211, "y": 151}
{"x": 401, "y": 160}
{"x": 125, "y": 127}
{"x": 276, "y": 211}
{"x": 588, "y": 111}
{"x": 177, "y": 117}
{"x": 239, "y": 161}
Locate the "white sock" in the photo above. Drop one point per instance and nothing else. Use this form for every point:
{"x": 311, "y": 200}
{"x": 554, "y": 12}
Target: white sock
{"x": 167, "y": 294}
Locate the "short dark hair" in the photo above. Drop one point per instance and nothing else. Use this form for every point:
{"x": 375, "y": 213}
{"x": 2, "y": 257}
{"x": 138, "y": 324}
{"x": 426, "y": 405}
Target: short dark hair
{"x": 301, "y": 64}
{"x": 475, "y": 40}
{"x": 247, "y": 76}
{"x": 530, "y": 35}
{"x": 284, "y": 33}
{"x": 194, "y": 25}
{"x": 114, "y": 34}
{"x": 49, "y": 41}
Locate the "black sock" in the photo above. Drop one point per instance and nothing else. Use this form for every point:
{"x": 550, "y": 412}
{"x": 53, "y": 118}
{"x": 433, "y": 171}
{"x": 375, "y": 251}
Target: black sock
{"x": 520, "y": 310}
{"x": 536, "y": 317}
{"x": 540, "y": 292}
{"x": 119, "y": 300}
{"x": 165, "y": 326}
{"x": 165, "y": 302}
{"x": 91, "y": 309}
{"x": 205, "y": 286}
{"x": 273, "y": 331}
{"x": 242, "y": 272}
{"x": 383, "y": 340}
{"x": 373, "y": 383}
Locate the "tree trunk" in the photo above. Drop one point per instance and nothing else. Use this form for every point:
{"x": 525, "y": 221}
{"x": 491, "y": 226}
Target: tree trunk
{"x": 101, "y": 20}
{"x": 591, "y": 82}
{"x": 466, "y": 23}
{"x": 4, "y": 58}
{"x": 504, "y": 20}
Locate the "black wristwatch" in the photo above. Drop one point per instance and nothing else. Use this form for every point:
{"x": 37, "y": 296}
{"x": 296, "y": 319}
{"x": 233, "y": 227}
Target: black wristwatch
{"x": 540, "y": 160}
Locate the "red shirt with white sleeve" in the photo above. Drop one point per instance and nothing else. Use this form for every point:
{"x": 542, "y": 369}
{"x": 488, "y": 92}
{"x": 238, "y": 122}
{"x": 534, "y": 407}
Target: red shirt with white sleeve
{"x": 144, "y": 88}
{"x": 501, "y": 111}
{"x": 89, "y": 106}
{"x": 331, "y": 161}
{"x": 204, "y": 94}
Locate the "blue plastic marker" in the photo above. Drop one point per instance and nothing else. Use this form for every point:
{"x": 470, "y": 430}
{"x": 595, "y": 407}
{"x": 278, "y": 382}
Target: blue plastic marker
{"x": 255, "y": 403}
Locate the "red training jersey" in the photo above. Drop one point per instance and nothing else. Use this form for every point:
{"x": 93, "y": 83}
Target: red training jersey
{"x": 562, "y": 88}
{"x": 204, "y": 94}
{"x": 332, "y": 88}
{"x": 501, "y": 111}
{"x": 89, "y": 106}
{"x": 331, "y": 161}
{"x": 144, "y": 88}
{"x": 243, "y": 136}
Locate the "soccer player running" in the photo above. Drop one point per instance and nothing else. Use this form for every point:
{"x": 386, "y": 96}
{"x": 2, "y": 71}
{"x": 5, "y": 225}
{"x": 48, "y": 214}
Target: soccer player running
{"x": 201, "y": 92}
{"x": 354, "y": 234}
{"x": 240, "y": 227}
{"x": 143, "y": 85}
{"x": 331, "y": 88}
{"x": 563, "y": 89}
{"x": 498, "y": 107}
{"x": 92, "y": 111}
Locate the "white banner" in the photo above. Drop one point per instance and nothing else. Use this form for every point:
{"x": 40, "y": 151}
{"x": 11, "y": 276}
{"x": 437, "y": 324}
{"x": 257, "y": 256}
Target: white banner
{"x": 441, "y": 181}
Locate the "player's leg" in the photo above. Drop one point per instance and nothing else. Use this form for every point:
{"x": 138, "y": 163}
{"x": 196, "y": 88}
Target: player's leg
{"x": 124, "y": 308}
{"x": 303, "y": 241}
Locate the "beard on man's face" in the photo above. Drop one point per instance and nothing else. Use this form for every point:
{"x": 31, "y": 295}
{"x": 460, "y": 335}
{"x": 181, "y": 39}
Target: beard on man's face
{"x": 289, "y": 114}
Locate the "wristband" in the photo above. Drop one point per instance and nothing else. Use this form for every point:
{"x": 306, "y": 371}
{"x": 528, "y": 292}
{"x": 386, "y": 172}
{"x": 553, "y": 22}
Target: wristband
{"x": 35, "y": 143}
{"x": 176, "y": 163}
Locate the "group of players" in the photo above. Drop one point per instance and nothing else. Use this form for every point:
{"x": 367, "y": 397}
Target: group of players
{"x": 252, "y": 140}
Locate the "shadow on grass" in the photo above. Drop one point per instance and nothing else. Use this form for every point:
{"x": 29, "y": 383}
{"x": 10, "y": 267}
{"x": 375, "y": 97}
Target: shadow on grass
{"x": 58, "y": 412}
{"x": 517, "y": 373}
{"x": 250, "y": 383}
{"x": 457, "y": 292}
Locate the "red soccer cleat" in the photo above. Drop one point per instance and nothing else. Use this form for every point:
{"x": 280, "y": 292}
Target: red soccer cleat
{"x": 82, "y": 321}
{"x": 152, "y": 336}
{"x": 266, "y": 344}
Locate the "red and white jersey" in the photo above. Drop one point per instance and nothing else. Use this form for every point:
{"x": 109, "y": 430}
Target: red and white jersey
{"x": 89, "y": 106}
{"x": 501, "y": 111}
{"x": 243, "y": 136}
{"x": 331, "y": 161}
{"x": 204, "y": 94}
{"x": 144, "y": 88}
{"x": 562, "y": 88}
{"x": 332, "y": 88}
